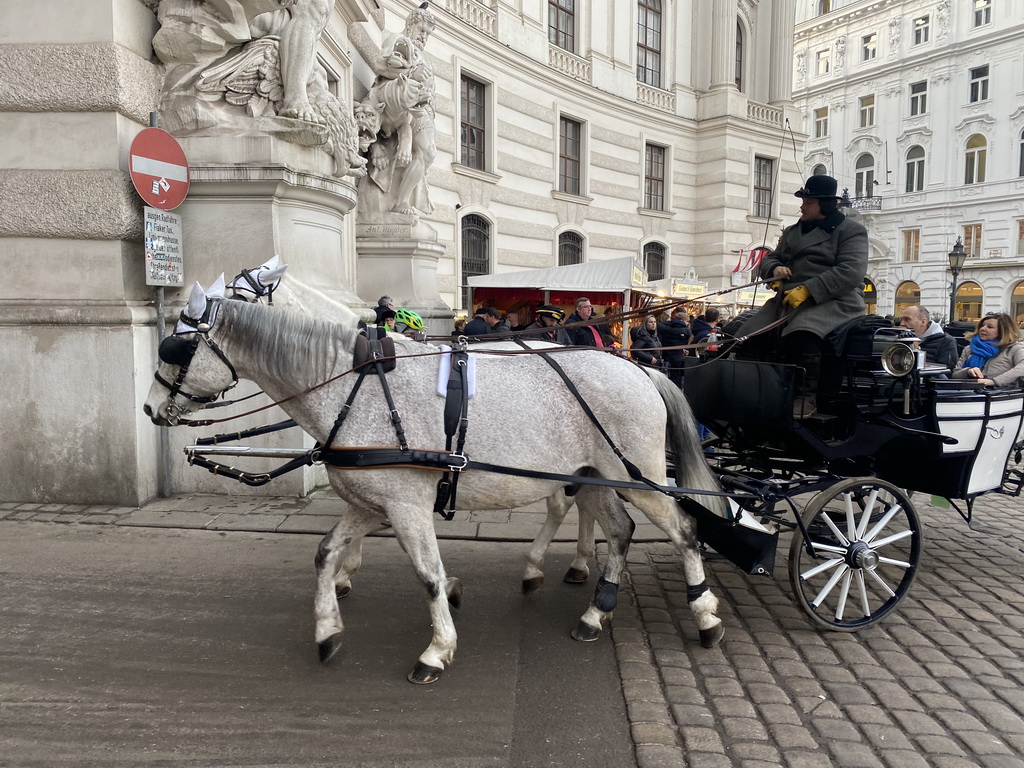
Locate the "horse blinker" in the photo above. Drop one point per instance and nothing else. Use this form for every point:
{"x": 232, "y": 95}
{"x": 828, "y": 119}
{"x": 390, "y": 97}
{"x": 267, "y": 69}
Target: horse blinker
{"x": 177, "y": 350}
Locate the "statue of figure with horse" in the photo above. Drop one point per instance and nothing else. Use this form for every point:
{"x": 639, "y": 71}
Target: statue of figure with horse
{"x": 306, "y": 364}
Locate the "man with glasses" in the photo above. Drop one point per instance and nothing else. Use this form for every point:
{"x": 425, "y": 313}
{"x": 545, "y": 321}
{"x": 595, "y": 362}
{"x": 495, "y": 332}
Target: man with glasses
{"x": 584, "y": 335}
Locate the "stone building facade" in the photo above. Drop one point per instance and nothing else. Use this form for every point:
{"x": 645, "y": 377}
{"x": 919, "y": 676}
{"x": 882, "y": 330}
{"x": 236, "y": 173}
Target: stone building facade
{"x": 916, "y": 107}
{"x": 560, "y": 135}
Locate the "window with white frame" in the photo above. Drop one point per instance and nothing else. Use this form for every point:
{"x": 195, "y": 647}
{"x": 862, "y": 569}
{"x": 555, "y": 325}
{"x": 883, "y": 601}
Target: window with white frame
{"x": 915, "y": 169}
{"x": 982, "y": 12}
{"x": 869, "y": 47}
{"x": 864, "y": 180}
{"x": 570, "y": 248}
{"x": 979, "y": 83}
{"x": 921, "y": 29}
{"x": 570, "y": 156}
{"x": 820, "y": 122}
{"x": 972, "y": 240}
{"x": 648, "y": 42}
{"x": 474, "y": 123}
{"x": 764, "y": 173}
{"x": 918, "y": 98}
{"x": 1020, "y": 237}
{"x": 654, "y": 261}
{"x": 739, "y": 56}
{"x": 975, "y": 158}
{"x": 866, "y": 112}
{"x": 476, "y": 253}
{"x": 562, "y": 24}
{"x": 654, "y": 177}
{"x": 911, "y": 245}
{"x": 823, "y": 62}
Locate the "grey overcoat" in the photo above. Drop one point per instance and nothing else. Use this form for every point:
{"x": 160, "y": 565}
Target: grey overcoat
{"x": 831, "y": 260}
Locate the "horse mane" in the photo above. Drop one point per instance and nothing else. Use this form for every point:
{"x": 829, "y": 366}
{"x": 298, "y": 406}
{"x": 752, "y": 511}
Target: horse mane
{"x": 289, "y": 344}
{"x": 309, "y": 299}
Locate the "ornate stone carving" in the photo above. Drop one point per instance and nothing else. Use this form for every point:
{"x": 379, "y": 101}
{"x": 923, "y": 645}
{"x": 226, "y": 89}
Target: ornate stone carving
{"x": 396, "y": 124}
{"x": 248, "y": 67}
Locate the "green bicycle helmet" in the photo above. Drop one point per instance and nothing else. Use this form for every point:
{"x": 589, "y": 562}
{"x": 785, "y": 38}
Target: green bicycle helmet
{"x": 407, "y": 320}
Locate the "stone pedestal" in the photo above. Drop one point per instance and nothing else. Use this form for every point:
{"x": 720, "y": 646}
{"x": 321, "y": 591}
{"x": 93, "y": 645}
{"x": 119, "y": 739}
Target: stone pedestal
{"x": 399, "y": 259}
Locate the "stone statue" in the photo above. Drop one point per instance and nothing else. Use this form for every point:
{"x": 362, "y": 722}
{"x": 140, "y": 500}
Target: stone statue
{"x": 396, "y": 123}
{"x": 248, "y": 67}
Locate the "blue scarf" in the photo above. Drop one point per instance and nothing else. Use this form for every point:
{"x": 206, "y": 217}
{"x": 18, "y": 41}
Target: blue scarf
{"x": 981, "y": 352}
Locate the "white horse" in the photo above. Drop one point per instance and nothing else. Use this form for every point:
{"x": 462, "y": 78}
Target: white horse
{"x": 292, "y": 356}
{"x": 266, "y": 280}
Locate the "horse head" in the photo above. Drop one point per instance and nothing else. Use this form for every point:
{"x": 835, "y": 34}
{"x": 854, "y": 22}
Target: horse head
{"x": 257, "y": 282}
{"x": 193, "y": 371}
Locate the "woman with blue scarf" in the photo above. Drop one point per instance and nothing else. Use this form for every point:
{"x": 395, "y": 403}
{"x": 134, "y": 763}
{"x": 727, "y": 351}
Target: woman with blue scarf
{"x": 995, "y": 356}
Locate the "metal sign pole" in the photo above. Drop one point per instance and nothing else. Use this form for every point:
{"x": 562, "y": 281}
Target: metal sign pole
{"x": 163, "y": 466}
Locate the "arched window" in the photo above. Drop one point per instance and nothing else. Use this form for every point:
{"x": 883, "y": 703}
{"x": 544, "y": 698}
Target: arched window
{"x": 915, "y": 169}
{"x": 969, "y": 298}
{"x": 654, "y": 261}
{"x": 570, "y": 248}
{"x": 908, "y": 294}
{"x": 865, "y": 181}
{"x": 739, "y": 56}
{"x": 476, "y": 253}
{"x": 1017, "y": 303}
{"x": 974, "y": 159}
{"x": 819, "y": 170}
{"x": 870, "y": 297}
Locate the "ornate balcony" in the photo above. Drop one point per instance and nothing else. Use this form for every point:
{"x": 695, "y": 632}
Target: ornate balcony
{"x": 569, "y": 64}
{"x": 474, "y": 14}
{"x": 655, "y": 97}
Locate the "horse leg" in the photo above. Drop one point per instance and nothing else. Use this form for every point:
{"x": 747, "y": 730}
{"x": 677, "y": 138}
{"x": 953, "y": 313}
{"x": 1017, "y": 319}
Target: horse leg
{"x": 618, "y": 530}
{"x": 414, "y": 528}
{"x": 559, "y": 503}
{"x": 337, "y": 557}
{"x": 681, "y": 528}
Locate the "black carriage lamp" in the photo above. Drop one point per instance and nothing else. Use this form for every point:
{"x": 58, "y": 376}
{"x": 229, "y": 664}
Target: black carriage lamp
{"x": 957, "y": 257}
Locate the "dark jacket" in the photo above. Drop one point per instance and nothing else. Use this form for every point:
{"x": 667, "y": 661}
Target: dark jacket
{"x": 701, "y": 329}
{"x": 581, "y": 336}
{"x": 538, "y": 332}
{"x": 501, "y": 327}
{"x": 644, "y": 341}
{"x": 674, "y": 333}
{"x": 831, "y": 259}
{"x": 939, "y": 347}
{"x": 477, "y": 327}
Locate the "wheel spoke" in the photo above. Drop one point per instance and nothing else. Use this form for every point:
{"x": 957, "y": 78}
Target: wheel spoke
{"x": 844, "y": 590}
{"x": 883, "y": 522}
{"x": 822, "y": 547}
{"x": 836, "y": 532}
{"x": 865, "y": 516}
{"x": 851, "y": 519}
{"x": 863, "y": 593}
{"x": 881, "y": 583}
{"x": 891, "y": 561}
{"x": 807, "y": 575}
{"x": 830, "y": 584}
{"x": 890, "y": 539}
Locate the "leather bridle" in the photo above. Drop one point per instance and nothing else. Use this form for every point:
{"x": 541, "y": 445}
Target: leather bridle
{"x": 178, "y": 349}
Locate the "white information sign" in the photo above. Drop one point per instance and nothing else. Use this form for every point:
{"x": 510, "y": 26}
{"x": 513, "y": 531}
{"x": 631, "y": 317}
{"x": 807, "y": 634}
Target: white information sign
{"x": 165, "y": 261}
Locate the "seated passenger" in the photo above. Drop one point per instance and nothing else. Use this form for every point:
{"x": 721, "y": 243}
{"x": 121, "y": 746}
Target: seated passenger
{"x": 995, "y": 355}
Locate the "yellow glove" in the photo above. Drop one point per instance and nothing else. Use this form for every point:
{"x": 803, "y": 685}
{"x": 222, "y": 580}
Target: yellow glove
{"x": 794, "y": 297}
{"x": 775, "y": 285}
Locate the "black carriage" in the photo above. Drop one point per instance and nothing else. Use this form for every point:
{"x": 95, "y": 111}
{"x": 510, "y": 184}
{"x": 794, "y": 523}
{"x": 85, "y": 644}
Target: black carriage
{"x": 887, "y": 426}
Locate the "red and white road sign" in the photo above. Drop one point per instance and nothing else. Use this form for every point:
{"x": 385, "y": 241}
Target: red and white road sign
{"x": 158, "y": 169}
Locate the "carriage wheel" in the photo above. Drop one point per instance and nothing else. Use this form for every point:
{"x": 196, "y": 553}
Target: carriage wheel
{"x": 867, "y": 543}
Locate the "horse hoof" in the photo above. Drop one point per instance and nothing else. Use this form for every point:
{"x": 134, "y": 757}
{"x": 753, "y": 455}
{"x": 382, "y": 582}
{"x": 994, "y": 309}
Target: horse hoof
{"x": 709, "y": 638}
{"x": 424, "y": 674}
{"x": 585, "y": 633}
{"x": 532, "y": 585}
{"x": 329, "y": 647}
{"x": 576, "y": 576}
{"x": 454, "y": 590}
{"x": 342, "y": 592}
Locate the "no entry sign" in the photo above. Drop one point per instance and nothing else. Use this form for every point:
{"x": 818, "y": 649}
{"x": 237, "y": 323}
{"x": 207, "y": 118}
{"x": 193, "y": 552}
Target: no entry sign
{"x": 158, "y": 169}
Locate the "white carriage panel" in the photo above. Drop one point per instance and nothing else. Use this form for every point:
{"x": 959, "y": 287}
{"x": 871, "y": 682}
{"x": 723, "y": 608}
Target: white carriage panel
{"x": 987, "y": 472}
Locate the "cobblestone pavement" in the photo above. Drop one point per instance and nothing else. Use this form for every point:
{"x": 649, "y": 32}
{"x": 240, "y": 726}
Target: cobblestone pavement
{"x": 940, "y": 682}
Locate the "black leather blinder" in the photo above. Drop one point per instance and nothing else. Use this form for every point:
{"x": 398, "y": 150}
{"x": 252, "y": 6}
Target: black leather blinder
{"x": 177, "y": 350}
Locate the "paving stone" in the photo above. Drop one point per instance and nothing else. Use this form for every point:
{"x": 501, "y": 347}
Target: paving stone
{"x": 793, "y": 758}
{"x": 653, "y": 733}
{"x": 250, "y": 522}
{"x": 702, "y": 740}
{"x": 659, "y": 756}
{"x": 649, "y": 712}
{"x": 154, "y": 518}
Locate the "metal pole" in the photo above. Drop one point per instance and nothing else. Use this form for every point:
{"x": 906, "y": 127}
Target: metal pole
{"x": 163, "y": 466}
{"x": 952, "y": 295}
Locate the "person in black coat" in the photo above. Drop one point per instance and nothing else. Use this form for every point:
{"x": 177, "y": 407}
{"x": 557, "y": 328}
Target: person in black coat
{"x": 584, "y": 335}
{"x": 478, "y": 326}
{"x": 704, "y": 324}
{"x": 939, "y": 346}
{"x": 646, "y": 343}
{"x": 675, "y": 333}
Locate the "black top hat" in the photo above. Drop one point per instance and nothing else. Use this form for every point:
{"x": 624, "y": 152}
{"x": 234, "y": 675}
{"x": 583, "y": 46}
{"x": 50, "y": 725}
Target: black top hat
{"x": 819, "y": 186}
{"x": 554, "y": 313}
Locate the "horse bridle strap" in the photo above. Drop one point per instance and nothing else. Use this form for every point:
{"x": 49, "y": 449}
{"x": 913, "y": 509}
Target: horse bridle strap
{"x": 176, "y": 350}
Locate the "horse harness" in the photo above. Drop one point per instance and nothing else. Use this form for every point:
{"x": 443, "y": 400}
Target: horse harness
{"x": 177, "y": 350}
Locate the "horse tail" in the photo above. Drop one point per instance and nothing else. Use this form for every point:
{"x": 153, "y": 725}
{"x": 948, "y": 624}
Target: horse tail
{"x": 692, "y": 469}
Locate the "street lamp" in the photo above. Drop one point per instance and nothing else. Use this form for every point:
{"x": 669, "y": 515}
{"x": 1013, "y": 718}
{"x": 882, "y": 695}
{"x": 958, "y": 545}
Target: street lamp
{"x": 957, "y": 257}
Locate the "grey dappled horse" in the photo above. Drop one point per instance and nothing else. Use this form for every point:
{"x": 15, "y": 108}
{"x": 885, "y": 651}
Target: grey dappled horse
{"x": 267, "y": 279}
{"x": 288, "y": 355}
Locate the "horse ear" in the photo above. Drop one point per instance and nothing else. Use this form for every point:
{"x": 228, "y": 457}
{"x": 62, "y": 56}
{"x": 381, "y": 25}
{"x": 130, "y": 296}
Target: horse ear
{"x": 196, "y": 301}
{"x": 271, "y": 263}
{"x": 217, "y": 290}
{"x": 272, "y": 276}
